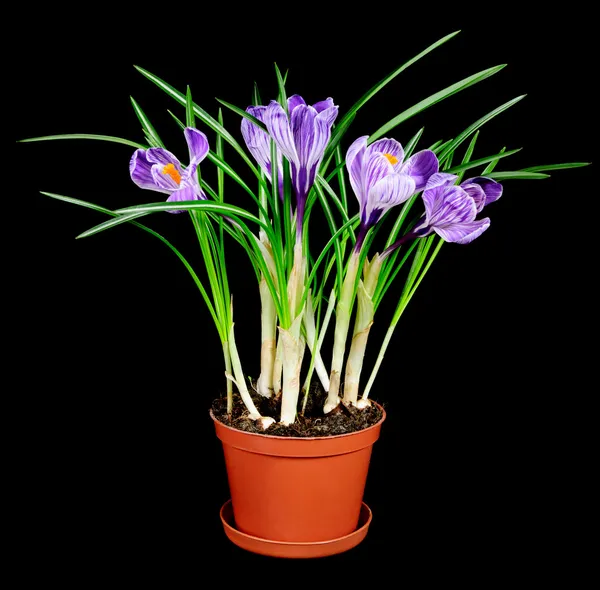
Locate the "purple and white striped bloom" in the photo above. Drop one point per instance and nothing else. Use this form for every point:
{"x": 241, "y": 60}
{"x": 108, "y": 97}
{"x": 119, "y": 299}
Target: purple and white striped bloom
{"x": 259, "y": 144}
{"x": 382, "y": 179}
{"x": 450, "y": 210}
{"x": 302, "y": 138}
{"x": 157, "y": 169}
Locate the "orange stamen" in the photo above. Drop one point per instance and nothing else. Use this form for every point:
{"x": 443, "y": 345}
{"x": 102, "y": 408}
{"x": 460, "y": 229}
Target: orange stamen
{"x": 392, "y": 159}
{"x": 172, "y": 172}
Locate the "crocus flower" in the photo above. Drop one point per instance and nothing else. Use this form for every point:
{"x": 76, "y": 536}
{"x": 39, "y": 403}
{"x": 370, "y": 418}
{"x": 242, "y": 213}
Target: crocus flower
{"x": 259, "y": 144}
{"x": 450, "y": 210}
{"x": 157, "y": 169}
{"x": 382, "y": 179}
{"x": 302, "y": 138}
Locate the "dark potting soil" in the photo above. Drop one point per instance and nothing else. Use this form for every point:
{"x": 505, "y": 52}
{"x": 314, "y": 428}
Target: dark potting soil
{"x": 312, "y": 422}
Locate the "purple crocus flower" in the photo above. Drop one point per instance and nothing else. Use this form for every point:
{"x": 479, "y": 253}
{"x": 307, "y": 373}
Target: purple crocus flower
{"x": 301, "y": 137}
{"x": 450, "y": 210}
{"x": 157, "y": 169}
{"x": 382, "y": 179}
{"x": 259, "y": 144}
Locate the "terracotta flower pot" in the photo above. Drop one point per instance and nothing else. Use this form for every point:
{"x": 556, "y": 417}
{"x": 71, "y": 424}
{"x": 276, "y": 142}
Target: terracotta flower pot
{"x": 296, "y": 497}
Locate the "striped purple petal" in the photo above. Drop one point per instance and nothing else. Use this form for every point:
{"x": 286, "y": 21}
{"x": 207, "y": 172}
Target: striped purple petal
{"x": 390, "y": 148}
{"x": 294, "y": 101}
{"x": 197, "y": 145}
{"x": 322, "y": 134}
{"x": 440, "y": 179}
{"x": 388, "y": 192}
{"x": 140, "y": 171}
{"x": 421, "y": 166}
{"x": 279, "y": 128}
{"x": 354, "y": 164}
{"x": 158, "y": 155}
{"x": 448, "y": 205}
{"x": 491, "y": 188}
{"x": 463, "y": 233}
{"x": 323, "y": 105}
{"x": 303, "y": 129}
{"x": 476, "y": 193}
{"x": 187, "y": 193}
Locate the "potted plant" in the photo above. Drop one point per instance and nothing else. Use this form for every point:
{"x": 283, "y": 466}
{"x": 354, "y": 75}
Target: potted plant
{"x": 298, "y": 438}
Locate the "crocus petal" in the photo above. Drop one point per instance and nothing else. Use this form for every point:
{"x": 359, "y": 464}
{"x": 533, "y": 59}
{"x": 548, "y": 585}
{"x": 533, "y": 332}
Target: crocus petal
{"x": 257, "y": 140}
{"x": 164, "y": 182}
{"x": 323, "y": 104}
{"x": 421, "y": 166}
{"x": 322, "y": 134}
{"x": 476, "y": 192}
{"x": 389, "y": 147}
{"x": 388, "y": 192}
{"x": 162, "y": 156}
{"x": 279, "y": 128}
{"x": 303, "y": 128}
{"x": 187, "y": 193}
{"x": 354, "y": 164}
{"x": 440, "y": 179}
{"x": 463, "y": 233}
{"x": 140, "y": 171}
{"x": 294, "y": 101}
{"x": 197, "y": 145}
{"x": 448, "y": 205}
{"x": 491, "y": 188}
{"x": 375, "y": 167}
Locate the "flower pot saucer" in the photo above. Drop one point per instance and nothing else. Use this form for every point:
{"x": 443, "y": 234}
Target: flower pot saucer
{"x": 291, "y": 549}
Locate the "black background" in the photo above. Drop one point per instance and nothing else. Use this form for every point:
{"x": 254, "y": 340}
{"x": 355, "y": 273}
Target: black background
{"x": 483, "y": 464}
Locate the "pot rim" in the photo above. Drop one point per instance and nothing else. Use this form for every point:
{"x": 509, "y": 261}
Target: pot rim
{"x": 304, "y": 438}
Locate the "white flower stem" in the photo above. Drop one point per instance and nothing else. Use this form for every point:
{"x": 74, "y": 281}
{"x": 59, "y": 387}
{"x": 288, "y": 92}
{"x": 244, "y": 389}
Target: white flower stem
{"x": 354, "y": 364}
{"x": 268, "y": 317}
{"x": 313, "y": 345}
{"x": 227, "y": 358}
{"x": 386, "y": 341}
{"x": 342, "y": 322}
{"x": 239, "y": 377}
{"x": 278, "y": 367}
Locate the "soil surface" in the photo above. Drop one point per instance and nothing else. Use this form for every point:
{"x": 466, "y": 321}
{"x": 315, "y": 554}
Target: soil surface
{"x": 312, "y": 422}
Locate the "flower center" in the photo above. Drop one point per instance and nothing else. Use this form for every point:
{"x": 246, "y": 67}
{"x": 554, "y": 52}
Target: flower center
{"x": 392, "y": 159}
{"x": 172, "y": 172}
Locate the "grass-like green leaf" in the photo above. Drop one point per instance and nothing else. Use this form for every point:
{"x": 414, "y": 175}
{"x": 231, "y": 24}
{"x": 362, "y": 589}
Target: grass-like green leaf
{"x": 281, "y": 86}
{"x": 518, "y": 174}
{"x": 434, "y": 99}
{"x": 409, "y": 148}
{"x": 475, "y": 126}
{"x": 343, "y": 125}
{"x": 190, "y": 119}
{"x": 149, "y": 131}
{"x": 550, "y": 167}
{"x": 108, "y": 138}
{"x": 481, "y": 161}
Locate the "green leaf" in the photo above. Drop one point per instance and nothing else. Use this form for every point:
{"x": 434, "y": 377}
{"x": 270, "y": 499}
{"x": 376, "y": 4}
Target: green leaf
{"x": 521, "y": 175}
{"x": 480, "y": 161}
{"x": 281, "y": 85}
{"x": 412, "y": 143}
{"x": 345, "y": 122}
{"x": 149, "y": 131}
{"x": 255, "y": 96}
{"x": 492, "y": 165}
{"x": 243, "y": 113}
{"x": 190, "y": 119}
{"x": 551, "y": 167}
{"x": 434, "y": 99}
{"x": 475, "y": 126}
{"x": 87, "y": 136}
{"x": 177, "y": 120}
